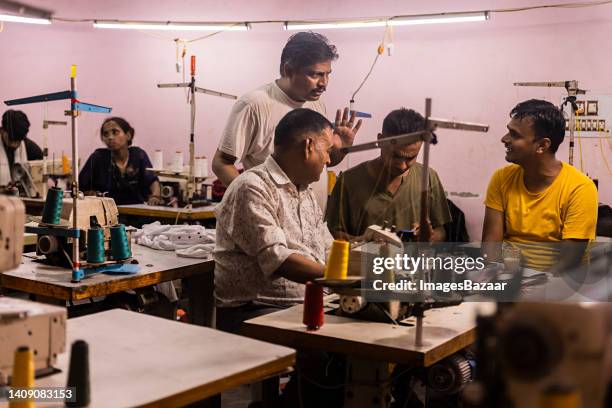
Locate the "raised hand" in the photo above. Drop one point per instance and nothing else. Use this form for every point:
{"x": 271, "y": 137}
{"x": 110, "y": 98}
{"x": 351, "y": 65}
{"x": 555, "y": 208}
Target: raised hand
{"x": 345, "y": 128}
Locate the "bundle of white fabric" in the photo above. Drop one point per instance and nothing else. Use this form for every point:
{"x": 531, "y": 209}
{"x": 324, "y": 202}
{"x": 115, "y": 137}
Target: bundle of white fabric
{"x": 192, "y": 241}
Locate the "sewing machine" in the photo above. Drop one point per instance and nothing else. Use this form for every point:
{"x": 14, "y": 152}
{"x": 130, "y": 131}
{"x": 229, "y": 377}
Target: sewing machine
{"x": 55, "y": 241}
{"x": 544, "y": 355}
{"x": 12, "y": 219}
{"x": 22, "y": 183}
{"x": 439, "y": 383}
{"x": 357, "y": 298}
{"x": 192, "y": 193}
{"x": 39, "y": 326}
{"x": 174, "y": 191}
{"x": 30, "y": 179}
{"x": 56, "y": 170}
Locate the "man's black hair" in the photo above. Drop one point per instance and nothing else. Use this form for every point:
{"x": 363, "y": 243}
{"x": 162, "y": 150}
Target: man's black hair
{"x": 16, "y": 124}
{"x": 306, "y": 48}
{"x": 548, "y": 120}
{"x": 294, "y": 125}
{"x": 402, "y": 121}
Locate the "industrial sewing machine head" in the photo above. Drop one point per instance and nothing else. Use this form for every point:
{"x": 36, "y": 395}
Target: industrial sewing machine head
{"x": 57, "y": 170}
{"x": 30, "y": 179}
{"x": 12, "y": 219}
{"x": 51, "y": 226}
{"x": 22, "y": 179}
{"x": 174, "y": 191}
{"x": 401, "y": 296}
{"x": 544, "y": 355}
{"x": 195, "y": 191}
{"x": 96, "y": 224}
{"x": 40, "y": 327}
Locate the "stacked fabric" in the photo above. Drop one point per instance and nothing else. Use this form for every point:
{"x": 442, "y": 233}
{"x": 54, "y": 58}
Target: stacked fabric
{"x": 193, "y": 241}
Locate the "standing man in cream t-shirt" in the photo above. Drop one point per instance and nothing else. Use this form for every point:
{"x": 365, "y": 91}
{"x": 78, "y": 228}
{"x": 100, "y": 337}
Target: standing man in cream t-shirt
{"x": 248, "y": 136}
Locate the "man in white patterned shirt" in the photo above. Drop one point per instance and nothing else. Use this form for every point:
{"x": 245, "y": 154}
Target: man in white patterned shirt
{"x": 271, "y": 237}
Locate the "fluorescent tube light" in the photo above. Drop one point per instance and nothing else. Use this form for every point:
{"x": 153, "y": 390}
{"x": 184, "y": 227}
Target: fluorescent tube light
{"x": 171, "y": 26}
{"x": 442, "y": 18}
{"x": 20, "y": 19}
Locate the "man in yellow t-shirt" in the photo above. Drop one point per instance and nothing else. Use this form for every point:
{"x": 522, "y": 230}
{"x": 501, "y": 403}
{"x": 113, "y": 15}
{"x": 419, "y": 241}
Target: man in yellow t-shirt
{"x": 542, "y": 205}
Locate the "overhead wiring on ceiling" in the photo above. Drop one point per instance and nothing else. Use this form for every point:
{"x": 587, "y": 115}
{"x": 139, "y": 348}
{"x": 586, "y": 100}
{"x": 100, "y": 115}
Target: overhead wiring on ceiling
{"x": 558, "y": 5}
{"x": 383, "y": 18}
{"x": 379, "y": 52}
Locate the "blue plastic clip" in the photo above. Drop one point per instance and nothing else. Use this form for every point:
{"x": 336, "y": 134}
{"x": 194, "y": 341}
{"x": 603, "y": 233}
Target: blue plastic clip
{"x": 77, "y": 275}
{"x": 89, "y": 107}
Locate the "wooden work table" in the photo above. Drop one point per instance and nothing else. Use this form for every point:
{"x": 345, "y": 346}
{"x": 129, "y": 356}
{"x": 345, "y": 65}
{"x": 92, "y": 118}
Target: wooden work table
{"x": 143, "y": 361}
{"x": 156, "y": 267}
{"x": 34, "y": 206}
{"x": 446, "y": 331}
{"x": 158, "y": 211}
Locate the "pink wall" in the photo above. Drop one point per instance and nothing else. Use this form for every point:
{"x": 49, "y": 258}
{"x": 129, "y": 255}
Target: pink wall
{"x": 467, "y": 69}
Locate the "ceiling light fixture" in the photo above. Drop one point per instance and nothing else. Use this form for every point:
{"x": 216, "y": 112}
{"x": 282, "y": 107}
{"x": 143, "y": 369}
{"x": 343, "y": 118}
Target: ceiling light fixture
{"x": 16, "y": 12}
{"x": 9, "y": 18}
{"x": 170, "y": 26}
{"x": 441, "y": 18}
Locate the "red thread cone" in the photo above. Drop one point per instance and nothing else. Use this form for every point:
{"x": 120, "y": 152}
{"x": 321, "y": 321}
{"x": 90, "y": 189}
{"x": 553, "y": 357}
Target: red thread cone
{"x": 313, "y": 306}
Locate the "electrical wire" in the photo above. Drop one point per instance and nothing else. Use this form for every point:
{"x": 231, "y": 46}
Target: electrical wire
{"x": 603, "y": 155}
{"x": 179, "y": 213}
{"x": 204, "y": 37}
{"x": 379, "y": 51}
{"x": 557, "y": 5}
{"x": 366, "y": 77}
{"x": 366, "y": 19}
{"x": 578, "y": 130}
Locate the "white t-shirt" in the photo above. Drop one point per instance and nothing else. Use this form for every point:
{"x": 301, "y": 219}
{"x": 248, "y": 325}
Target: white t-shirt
{"x": 249, "y": 132}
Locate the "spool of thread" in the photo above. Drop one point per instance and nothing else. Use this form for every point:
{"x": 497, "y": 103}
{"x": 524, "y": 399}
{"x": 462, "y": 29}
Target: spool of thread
{"x": 23, "y": 375}
{"x": 313, "y": 316}
{"x": 65, "y": 164}
{"x": 95, "y": 245}
{"x": 53, "y": 206}
{"x": 201, "y": 167}
{"x": 208, "y": 192}
{"x": 120, "y": 248}
{"x": 158, "y": 160}
{"x": 337, "y": 261}
{"x": 331, "y": 181}
{"x": 177, "y": 162}
{"x": 78, "y": 375}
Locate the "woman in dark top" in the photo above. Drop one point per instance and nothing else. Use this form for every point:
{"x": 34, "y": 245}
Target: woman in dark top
{"x": 119, "y": 170}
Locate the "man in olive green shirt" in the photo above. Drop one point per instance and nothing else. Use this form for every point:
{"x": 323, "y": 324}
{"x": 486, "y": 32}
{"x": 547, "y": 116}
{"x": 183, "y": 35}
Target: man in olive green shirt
{"x": 387, "y": 188}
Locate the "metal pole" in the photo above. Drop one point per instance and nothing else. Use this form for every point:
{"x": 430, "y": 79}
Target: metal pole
{"x": 76, "y": 266}
{"x": 191, "y": 182}
{"x": 418, "y": 335}
{"x": 424, "y": 235}
{"x": 45, "y": 176}
{"x": 572, "y": 127}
